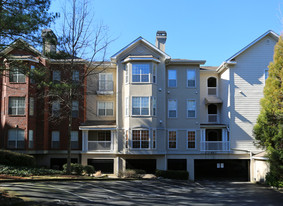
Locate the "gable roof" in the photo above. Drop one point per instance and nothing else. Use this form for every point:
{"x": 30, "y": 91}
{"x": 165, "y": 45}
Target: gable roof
{"x": 136, "y": 41}
{"x": 20, "y": 41}
{"x": 231, "y": 59}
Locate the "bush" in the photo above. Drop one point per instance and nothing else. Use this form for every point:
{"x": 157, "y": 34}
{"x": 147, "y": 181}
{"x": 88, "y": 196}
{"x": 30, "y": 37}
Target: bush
{"x": 76, "y": 168}
{"x": 88, "y": 169}
{"x": 131, "y": 173}
{"x": 173, "y": 174}
{"x": 16, "y": 159}
{"x": 273, "y": 180}
{"x": 26, "y": 171}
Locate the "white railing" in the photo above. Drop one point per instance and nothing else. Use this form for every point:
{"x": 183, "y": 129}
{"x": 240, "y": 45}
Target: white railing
{"x": 99, "y": 145}
{"x": 215, "y": 146}
{"x": 212, "y": 118}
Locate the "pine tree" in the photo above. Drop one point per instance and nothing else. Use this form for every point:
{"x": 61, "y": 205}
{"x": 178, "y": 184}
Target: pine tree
{"x": 269, "y": 128}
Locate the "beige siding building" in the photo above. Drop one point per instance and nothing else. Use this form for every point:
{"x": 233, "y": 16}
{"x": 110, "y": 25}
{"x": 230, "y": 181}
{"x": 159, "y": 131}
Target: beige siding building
{"x": 148, "y": 111}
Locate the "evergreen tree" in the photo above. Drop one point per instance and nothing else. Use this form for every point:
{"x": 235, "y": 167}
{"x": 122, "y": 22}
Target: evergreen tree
{"x": 269, "y": 128}
{"x": 23, "y": 18}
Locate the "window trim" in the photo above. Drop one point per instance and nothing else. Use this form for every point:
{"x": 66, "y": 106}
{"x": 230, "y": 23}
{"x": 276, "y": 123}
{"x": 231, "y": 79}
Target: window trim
{"x": 17, "y": 106}
{"x": 78, "y": 109}
{"x": 188, "y": 79}
{"x": 17, "y": 139}
{"x": 149, "y": 107}
{"x": 172, "y": 130}
{"x": 16, "y": 71}
{"x": 149, "y": 139}
{"x": 195, "y": 108}
{"x": 127, "y": 107}
{"x": 169, "y": 79}
{"x": 59, "y": 74}
{"x": 176, "y": 108}
{"x": 216, "y": 88}
{"x": 106, "y": 74}
{"x": 149, "y": 73}
{"x": 187, "y": 141}
{"x": 97, "y": 105}
{"x": 52, "y": 144}
{"x": 155, "y": 136}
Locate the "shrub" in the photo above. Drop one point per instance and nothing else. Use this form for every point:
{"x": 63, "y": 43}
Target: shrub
{"x": 273, "y": 180}
{"x": 88, "y": 169}
{"x": 131, "y": 173}
{"x": 173, "y": 174}
{"x": 76, "y": 168}
{"x": 16, "y": 159}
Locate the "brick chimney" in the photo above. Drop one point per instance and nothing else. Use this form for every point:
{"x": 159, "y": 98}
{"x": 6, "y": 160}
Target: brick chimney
{"x": 161, "y": 37}
{"x": 49, "y": 40}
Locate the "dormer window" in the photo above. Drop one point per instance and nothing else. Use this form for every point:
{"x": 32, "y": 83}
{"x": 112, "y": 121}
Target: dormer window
{"x": 211, "y": 86}
{"x": 140, "y": 73}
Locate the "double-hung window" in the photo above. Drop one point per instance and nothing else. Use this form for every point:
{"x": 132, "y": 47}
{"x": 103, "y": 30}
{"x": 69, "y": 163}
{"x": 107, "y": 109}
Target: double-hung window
{"x": 140, "y": 138}
{"x": 16, "y": 139}
{"x": 76, "y": 76}
{"x": 153, "y": 106}
{"x": 211, "y": 86}
{"x": 16, "y": 106}
{"x": 105, "y": 108}
{"x": 56, "y": 76}
{"x": 31, "y": 106}
{"x": 191, "y": 108}
{"x": 191, "y": 78}
{"x": 140, "y": 72}
{"x": 74, "y": 139}
{"x": 56, "y": 108}
{"x": 172, "y": 78}
{"x": 55, "y": 141}
{"x": 172, "y": 139}
{"x": 105, "y": 82}
{"x": 75, "y": 109}
{"x": 172, "y": 108}
{"x": 30, "y": 139}
{"x": 16, "y": 76}
{"x": 140, "y": 106}
{"x": 191, "y": 139}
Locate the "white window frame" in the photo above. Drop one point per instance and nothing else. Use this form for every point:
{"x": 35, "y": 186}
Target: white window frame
{"x": 216, "y": 90}
{"x": 127, "y": 73}
{"x": 30, "y": 139}
{"x": 17, "y": 138}
{"x": 127, "y": 140}
{"x": 140, "y": 72}
{"x": 127, "y": 108}
{"x": 75, "y": 139}
{"x": 18, "y": 106}
{"x": 75, "y": 108}
{"x": 107, "y": 85}
{"x": 56, "y": 76}
{"x": 140, "y": 104}
{"x": 105, "y": 109}
{"x": 172, "y": 79}
{"x": 31, "y": 78}
{"x": 188, "y": 70}
{"x": 187, "y": 139}
{"x": 191, "y": 110}
{"x": 217, "y": 114}
{"x": 154, "y": 74}
{"x": 172, "y": 110}
{"x": 168, "y": 140}
{"x": 154, "y": 106}
{"x": 55, "y": 138}
{"x": 76, "y": 75}
{"x": 140, "y": 139}
{"x": 31, "y": 106}
{"x": 15, "y": 73}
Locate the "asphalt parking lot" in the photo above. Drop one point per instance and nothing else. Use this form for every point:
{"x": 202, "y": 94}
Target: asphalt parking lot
{"x": 145, "y": 192}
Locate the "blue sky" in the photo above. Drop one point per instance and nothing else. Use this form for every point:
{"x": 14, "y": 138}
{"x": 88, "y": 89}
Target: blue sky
{"x": 211, "y": 30}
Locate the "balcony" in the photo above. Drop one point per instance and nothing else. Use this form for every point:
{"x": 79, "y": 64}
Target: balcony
{"x": 215, "y": 146}
{"x": 105, "y": 87}
{"x": 99, "y": 146}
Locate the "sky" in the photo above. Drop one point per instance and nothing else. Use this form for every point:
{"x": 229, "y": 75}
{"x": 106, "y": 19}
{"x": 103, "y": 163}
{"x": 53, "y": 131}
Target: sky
{"x": 211, "y": 30}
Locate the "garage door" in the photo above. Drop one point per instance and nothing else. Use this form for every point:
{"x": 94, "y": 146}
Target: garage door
{"x": 148, "y": 165}
{"x": 222, "y": 169}
{"x": 104, "y": 165}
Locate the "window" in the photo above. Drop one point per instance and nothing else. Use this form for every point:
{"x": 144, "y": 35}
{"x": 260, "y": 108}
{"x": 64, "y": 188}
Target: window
{"x": 154, "y": 106}
{"x": 56, "y": 109}
{"x": 191, "y": 78}
{"x": 212, "y": 113}
{"x": 191, "y": 108}
{"x": 127, "y": 106}
{"x": 74, "y": 139}
{"x": 266, "y": 74}
{"x": 16, "y": 139}
{"x": 105, "y": 82}
{"x": 212, "y": 86}
{"x": 31, "y": 79}
{"x": 31, "y": 106}
{"x": 55, "y": 141}
{"x": 16, "y": 76}
{"x": 16, "y": 106}
{"x": 75, "y": 109}
{"x": 172, "y": 78}
{"x": 172, "y": 108}
{"x": 154, "y": 74}
{"x": 105, "y": 108}
{"x": 191, "y": 139}
{"x": 140, "y": 106}
{"x": 153, "y": 139}
{"x": 76, "y": 76}
{"x": 30, "y": 139}
{"x": 140, "y": 73}
{"x": 127, "y": 74}
{"x": 172, "y": 143}
{"x": 56, "y": 76}
{"x": 140, "y": 138}
{"x": 99, "y": 140}
{"x": 127, "y": 139}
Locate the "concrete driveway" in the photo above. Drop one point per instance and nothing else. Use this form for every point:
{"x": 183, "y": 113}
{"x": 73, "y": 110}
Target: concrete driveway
{"x": 144, "y": 192}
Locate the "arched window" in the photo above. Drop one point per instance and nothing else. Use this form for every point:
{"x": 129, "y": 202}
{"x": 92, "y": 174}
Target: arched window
{"x": 212, "y": 113}
{"x": 212, "y": 85}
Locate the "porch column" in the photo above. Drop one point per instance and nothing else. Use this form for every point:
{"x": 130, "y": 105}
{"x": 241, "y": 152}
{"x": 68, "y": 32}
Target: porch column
{"x": 85, "y": 141}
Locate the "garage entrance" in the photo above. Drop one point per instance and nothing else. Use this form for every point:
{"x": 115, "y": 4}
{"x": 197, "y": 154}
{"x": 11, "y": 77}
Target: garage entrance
{"x": 148, "y": 165}
{"x": 106, "y": 166}
{"x": 219, "y": 169}
{"x": 177, "y": 164}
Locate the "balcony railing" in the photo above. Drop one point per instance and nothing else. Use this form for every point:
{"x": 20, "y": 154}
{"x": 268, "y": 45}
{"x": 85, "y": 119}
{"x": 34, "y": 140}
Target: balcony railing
{"x": 212, "y": 118}
{"x": 99, "y": 145}
{"x": 215, "y": 146}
